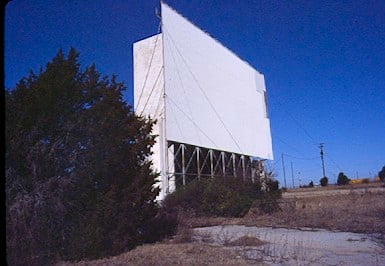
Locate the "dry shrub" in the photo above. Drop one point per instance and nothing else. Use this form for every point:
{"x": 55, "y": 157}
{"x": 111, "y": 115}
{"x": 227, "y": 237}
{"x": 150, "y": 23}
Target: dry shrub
{"x": 352, "y": 212}
{"x": 184, "y": 229}
{"x": 224, "y": 197}
{"x": 227, "y": 197}
{"x": 246, "y": 241}
{"x": 33, "y": 227}
{"x": 171, "y": 254}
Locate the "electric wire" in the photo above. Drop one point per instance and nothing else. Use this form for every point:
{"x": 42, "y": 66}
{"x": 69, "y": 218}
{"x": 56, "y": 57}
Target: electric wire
{"x": 330, "y": 158}
{"x": 224, "y": 125}
{"x": 179, "y": 128}
{"x": 158, "y": 111}
{"x": 152, "y": 90}
{"x": 297, "y": 122}
{"x": 305, "y": 131}
{"x": 192, "y": 120}
{"x": 204, "y": 94}
{"x": 184, "y": 92}
{"x": 299, "y": 158}
{"x": 148, "y": 69}
{"x": 287, "y": 144}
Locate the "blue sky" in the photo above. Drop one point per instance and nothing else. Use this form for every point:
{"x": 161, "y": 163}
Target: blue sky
{"x": 323, "y": 61}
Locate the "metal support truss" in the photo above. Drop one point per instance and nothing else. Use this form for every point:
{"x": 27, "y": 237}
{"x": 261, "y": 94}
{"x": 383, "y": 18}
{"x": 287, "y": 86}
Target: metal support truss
{"x": 191, "y": 162}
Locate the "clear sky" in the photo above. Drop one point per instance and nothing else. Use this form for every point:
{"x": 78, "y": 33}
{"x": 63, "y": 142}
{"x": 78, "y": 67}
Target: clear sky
{"x": 323, "y": 61}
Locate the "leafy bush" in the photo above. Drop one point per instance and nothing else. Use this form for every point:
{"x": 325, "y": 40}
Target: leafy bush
{"x": 342, "y": 179}
{"x": 324, "y": 181}
{"x": 227, "y": 197}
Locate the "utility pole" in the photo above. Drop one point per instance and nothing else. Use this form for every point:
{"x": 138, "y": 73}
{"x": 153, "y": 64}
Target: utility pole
{"x": 292, "y": 173}
{"x": 321, "y": 146}
{"x": 284, "y": 171}
{"x": 299, "y": 179}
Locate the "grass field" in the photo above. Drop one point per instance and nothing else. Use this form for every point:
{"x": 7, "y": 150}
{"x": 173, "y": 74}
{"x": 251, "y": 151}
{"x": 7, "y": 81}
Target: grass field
{"x": 348, "y": 209}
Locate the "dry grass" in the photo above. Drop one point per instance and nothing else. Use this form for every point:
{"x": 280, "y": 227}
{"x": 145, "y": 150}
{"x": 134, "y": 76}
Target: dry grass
{"x": 351, "y": 212}
{"x": 171, "y": 254}
{"x": 246, "y": 241}
{"x": 364, "y": 213}
{"x": 336, "y": 187}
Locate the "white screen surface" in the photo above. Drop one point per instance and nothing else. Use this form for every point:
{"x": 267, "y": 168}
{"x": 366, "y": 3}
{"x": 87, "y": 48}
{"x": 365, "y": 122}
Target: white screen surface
{"x": 213, "y": 98}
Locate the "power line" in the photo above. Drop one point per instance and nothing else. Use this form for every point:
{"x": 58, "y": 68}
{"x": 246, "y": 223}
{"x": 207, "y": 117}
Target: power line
{"x": 156, "y": 114}
{"x": 179, "y": 128}
{"x": 307, "y": 170}
{"x": 330, "y": 158}
{"x": 148, "y": 70}
{"x": 184, "y": 92}
{"x": 181, "y": 110}
{"x": 287, "y": 144}
{"x": 299, "y": 158}
{"x": 310, "y": 137}
{"x": 204, "y": 94}
{"x": 297, "y": 122}
{"x": 152, "y": 90}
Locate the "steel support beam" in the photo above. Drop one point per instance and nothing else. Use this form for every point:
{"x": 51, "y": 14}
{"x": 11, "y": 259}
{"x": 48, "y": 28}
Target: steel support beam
{"x": 183, "y": 165}
{"x": 198, "y": 151}
{"x": 211, "y": 163}
{"x": 190, "y": 162}
{"x": 243, "y": 167}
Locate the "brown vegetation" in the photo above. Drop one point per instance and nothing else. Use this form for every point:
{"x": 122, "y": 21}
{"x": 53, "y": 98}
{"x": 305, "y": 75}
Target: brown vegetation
{"x": 364, "y": 213}
{"x": 352, "y": 212}
{"x": 171, "y": 254}
{"x": 246, "y": 241}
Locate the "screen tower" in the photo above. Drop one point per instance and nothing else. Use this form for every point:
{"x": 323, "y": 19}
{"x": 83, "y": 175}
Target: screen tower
{"x": 209, "y": 105}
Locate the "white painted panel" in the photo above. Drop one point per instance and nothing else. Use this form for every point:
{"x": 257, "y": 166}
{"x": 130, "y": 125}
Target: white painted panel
{"x": 148, "y": 97}
{"x": 148, "y": 86}
{"x": 148, "y": 76}
{"x": 213, "y": 98}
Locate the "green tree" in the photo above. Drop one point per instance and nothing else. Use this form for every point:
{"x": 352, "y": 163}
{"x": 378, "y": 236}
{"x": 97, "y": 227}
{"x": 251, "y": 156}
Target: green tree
{"x": 324, "y": 181}
{"x": 381, "y": 174}
{"x": 342, "y": 179}
{"x": 78, "y": 179}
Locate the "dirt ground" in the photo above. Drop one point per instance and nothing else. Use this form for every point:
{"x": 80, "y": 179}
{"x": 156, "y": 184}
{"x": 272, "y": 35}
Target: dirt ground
{"x": 350, "y": 219}
{"x": 304, "y": 246}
